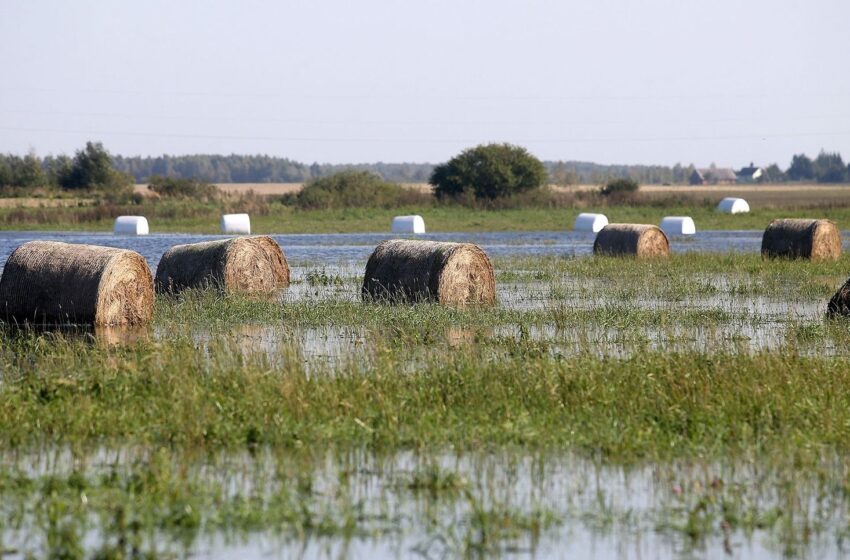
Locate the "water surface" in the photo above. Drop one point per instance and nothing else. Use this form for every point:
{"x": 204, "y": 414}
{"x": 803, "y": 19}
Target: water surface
{"x": 355, "y": 248}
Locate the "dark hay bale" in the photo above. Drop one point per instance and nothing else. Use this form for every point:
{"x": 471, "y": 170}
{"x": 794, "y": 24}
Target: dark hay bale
{"x": 801, "y": 239}
{"x": 403, "y": 271}
{"x": 51, "y": 282}
{"x": 249, "y": 265}
{"x": 638, "y": 240}
{"x": 839, "y": 304}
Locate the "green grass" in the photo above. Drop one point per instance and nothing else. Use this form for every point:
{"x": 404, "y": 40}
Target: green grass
{"x": 652, "y": 404}
{"x": 543, "y": 356}
{"x": 713, "y": 381}
{"x": 190, "y": 217}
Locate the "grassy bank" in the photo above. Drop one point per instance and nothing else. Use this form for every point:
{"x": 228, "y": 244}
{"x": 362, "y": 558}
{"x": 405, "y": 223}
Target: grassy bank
{"x": 190, "y": 217}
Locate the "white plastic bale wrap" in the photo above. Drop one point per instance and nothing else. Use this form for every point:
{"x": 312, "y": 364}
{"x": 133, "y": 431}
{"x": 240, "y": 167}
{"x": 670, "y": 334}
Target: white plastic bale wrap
{"x": 239, "y": 224}
{"x": 587, "y": 221}
{"x": 408, "y": 224}
{"x": 131, "y": 225}
{"x": 731, "y": 205}
{"x": 678, "y": 225}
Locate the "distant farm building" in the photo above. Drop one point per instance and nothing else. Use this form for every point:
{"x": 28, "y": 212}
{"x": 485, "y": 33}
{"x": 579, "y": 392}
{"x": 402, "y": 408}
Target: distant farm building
{"x": 751, "y": 174}
{"x": 713, "y": 176}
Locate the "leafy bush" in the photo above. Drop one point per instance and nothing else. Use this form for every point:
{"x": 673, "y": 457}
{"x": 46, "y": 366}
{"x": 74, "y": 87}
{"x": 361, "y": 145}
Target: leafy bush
{"x": 488, "y": 172}
{"x": 623, "y": 186}
{"x": 353, "y": 189}
{"x": 168, "y": 187}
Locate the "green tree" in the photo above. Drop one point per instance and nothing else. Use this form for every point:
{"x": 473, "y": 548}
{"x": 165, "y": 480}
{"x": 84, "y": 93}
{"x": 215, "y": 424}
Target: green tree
{"x": 773, "y": 174}
{"x": 92, "y": 169}
{"x": 58, "y": 168}
{"x": 5, "y": 171}
{"x": 27, "y": 172}
{"x": 801, "y": 168}
{"x": 829, "y": 168}
{"x": 489, "y": 171}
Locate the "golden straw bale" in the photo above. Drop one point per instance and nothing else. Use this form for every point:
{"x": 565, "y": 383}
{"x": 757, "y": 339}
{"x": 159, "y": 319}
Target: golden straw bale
{"x": 250, "y": 265}
{"x": 402, "y": 270}
{"x": 638, "y": 240}
{"x": 801, "y": 239}
{"x": 48, "y": 282}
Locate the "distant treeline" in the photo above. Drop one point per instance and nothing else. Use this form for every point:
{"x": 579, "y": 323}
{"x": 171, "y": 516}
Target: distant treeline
{"x": 826, "y": 168}
{"x": 267, "y": 169}
{"x": 258, "y": 169}
{"x": 33, "y": 171}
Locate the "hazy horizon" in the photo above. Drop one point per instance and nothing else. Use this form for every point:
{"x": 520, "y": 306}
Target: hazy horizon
{"x": 659, "y": 82}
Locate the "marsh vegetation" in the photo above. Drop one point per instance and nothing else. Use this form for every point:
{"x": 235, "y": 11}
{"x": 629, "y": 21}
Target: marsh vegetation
{"x": 699, "y": 403}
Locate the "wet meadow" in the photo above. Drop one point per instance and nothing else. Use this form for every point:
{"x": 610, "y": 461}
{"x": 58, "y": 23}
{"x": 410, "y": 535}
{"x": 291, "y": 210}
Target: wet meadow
{"x": 607, "y": 407}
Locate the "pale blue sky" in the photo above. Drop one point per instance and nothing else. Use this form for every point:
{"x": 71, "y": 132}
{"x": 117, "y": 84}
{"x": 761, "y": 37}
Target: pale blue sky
{"x": 650, "y": 81}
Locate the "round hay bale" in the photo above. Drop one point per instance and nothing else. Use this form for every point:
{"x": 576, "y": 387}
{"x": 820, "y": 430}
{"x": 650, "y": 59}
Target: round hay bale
{"x": 590, "y": 222}
{"x": 131, "y": 225}
{"x": 404, "y": 271}
{"x": 239, "y": 224}
{"x": 732, "y": 205}
{"x": 408, "y": 224}
{"x": 839, "y": 304}
{"x": 51, "y": 282}
{"x": 801, "y": 239}
{"x": 678, "y": 225}
{"x": 250, "y": 265}
{"x": 639, "y": 240}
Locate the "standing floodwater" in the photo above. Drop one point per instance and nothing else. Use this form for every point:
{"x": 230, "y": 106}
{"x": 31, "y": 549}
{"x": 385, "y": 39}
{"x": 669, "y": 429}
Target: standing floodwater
{"x": 354, "y": 248}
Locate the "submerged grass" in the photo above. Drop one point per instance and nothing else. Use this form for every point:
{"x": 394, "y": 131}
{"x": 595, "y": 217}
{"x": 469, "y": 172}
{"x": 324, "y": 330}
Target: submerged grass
{"x": 653, "y": 404}
{"x": 614, "y": 363}
{"x": 625, "y": 358}
{"x": 160, "y": 503}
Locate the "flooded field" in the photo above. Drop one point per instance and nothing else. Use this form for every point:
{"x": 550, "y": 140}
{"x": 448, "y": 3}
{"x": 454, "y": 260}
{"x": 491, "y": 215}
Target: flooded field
{"x": 354, "y": 248}
{"x": 605, "y": 408}
{"x": 365, "y": 505}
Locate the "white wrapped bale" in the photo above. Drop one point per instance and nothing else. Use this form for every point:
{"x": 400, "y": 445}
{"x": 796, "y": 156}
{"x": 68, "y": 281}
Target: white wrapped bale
{"x": 731, "y": 205}
{"x": 589, "y": 222}
{"x": 408, "y": 224}
{"x": 678, "y": 225}
{"x": 131, "y": 225}
{"x": 238, "y": 224}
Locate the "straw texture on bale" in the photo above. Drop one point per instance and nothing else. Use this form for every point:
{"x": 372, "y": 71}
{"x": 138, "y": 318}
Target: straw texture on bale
{"x": 801, "y": 239}
{"x": 47, "y": 282}
{"x": 639, "y": 240}
{"x": 250, "y": 265}
{"x": 839, "y": 305}
{"x": 404, "y": 271}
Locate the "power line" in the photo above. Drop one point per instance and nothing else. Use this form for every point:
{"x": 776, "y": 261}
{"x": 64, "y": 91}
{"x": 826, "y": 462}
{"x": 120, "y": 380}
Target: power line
{"x": 762, "y": 136}
{"x": 773, "y": 93}
{"x": 320, "y": 122}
